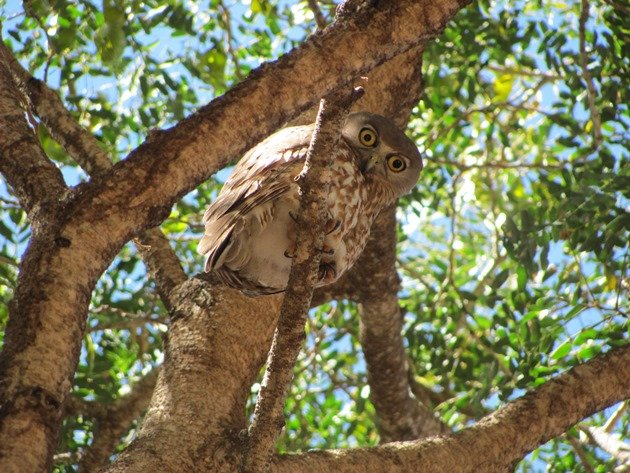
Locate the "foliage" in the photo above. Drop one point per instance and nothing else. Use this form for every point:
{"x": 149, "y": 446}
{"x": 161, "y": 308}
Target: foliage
{"x": 514, "y": 245}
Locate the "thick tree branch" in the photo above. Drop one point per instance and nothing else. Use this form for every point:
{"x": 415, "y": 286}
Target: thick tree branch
{"x": 211, "y": 359}
{"x": 500, "y": 440}
{"x": 289, "y": 337}
{"x": 36, "y": 181}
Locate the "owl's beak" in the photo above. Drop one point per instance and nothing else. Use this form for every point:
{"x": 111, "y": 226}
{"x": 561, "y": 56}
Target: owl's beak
{"x": 369, "y": 163}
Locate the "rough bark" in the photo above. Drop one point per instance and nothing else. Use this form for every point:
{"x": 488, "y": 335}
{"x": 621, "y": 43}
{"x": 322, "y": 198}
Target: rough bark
{"x": 31, "y": 400}
{"x": 212, "y": 356}
{"x": 36, "y": 181}
{"x": 497, "y": 442}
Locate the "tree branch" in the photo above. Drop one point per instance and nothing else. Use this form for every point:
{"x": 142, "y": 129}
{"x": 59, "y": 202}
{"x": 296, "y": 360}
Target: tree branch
{"x": 36, "y": 181}
{"x": 216, "y": 343}
{"x": 608, "y": 442}
{"x": 400, "y": 415}
{"x": 289, "y": 336}
{"x": 500, "y": 440}
{"x": 320, "y": 19}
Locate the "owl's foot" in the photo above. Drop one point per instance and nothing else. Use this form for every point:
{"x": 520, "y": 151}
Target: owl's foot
{"x": 327, "y": 272}
{"x": 328, "y": 250}
{"x": 332, "y": 225}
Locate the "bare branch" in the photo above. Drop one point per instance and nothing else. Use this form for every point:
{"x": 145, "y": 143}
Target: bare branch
{"x": 227, "y": 26}
{"x": 36, "y": 181}
{"x": 608, "y": 442}
{"x": 289, "y": 336}
{"x": 400, "y": 415}
{"x": 499, "y": 440}
{"x": 616, "y": 416}
{"x": 320, "y": 19}
{"x": 162, "y": 262}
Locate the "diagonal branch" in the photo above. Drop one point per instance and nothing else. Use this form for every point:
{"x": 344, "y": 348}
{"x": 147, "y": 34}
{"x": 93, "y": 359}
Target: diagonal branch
{"x": 289, "y": 336}
{"x": 500, "y": 440}
{"x": 320, "y": 19}
{"x": 36, "y": 181}
{"x": 610, "y": 443}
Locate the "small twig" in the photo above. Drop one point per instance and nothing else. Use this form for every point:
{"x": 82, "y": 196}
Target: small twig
{"x": 227, "y": 20}
{"x": 615, "y": 417}
{"x": 579, "y": 450}
{"x": 289, "y": 335}
{"x": 610, "y": 443}
{"x": 320, "y": 19}
{"x": 590, "y": 87}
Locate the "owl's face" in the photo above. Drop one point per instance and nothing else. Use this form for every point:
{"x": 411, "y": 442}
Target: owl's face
{"x": 384, "y": 151}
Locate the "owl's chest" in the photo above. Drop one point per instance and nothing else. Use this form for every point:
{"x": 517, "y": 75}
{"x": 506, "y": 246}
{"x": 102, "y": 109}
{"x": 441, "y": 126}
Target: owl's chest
{"x": 347, "y": 196}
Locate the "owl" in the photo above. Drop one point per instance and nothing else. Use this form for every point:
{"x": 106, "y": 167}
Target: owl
{"x": 250, "y": 229}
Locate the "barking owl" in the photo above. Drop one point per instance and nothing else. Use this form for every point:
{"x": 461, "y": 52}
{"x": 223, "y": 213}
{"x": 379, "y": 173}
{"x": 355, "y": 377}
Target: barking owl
{"x": 250, "y": 229}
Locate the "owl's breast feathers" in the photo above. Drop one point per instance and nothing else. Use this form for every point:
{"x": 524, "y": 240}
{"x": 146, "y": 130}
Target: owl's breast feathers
{"x": 250, "y": 228}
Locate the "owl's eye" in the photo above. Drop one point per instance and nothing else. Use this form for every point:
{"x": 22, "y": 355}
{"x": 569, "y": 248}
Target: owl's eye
{"x": 396, "y": 164}
{"x": 368, "y": 137}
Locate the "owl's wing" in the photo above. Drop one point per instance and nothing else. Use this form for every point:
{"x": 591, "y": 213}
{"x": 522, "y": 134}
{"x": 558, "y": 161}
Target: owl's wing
{"x": 263, "y": 174}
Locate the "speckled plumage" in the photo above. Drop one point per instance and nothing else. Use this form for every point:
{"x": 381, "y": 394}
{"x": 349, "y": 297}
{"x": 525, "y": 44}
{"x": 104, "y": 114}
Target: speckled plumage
{"x": 250, "y": 229}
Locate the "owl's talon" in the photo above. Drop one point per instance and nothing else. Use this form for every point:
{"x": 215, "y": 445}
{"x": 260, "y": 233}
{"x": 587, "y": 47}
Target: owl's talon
{"x": 289, "y": 254}
{"x": 327, "y": 272}
{"x": 332, "y": 226}
{"x": 327, "y": 250}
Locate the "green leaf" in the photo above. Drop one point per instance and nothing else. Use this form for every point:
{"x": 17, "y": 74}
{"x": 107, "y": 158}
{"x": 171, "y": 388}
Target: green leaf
{"x": 521, "y": 277}
{"x": 562, "y": 350}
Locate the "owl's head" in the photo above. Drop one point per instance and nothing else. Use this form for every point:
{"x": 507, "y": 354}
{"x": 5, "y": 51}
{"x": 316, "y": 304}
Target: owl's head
{"x": 383, "y": 150}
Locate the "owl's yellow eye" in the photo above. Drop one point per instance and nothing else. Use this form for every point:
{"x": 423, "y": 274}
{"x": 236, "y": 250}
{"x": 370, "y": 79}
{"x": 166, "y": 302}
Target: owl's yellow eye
{"x": 368, "y": 137}
{"x": 396, "y": 164}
